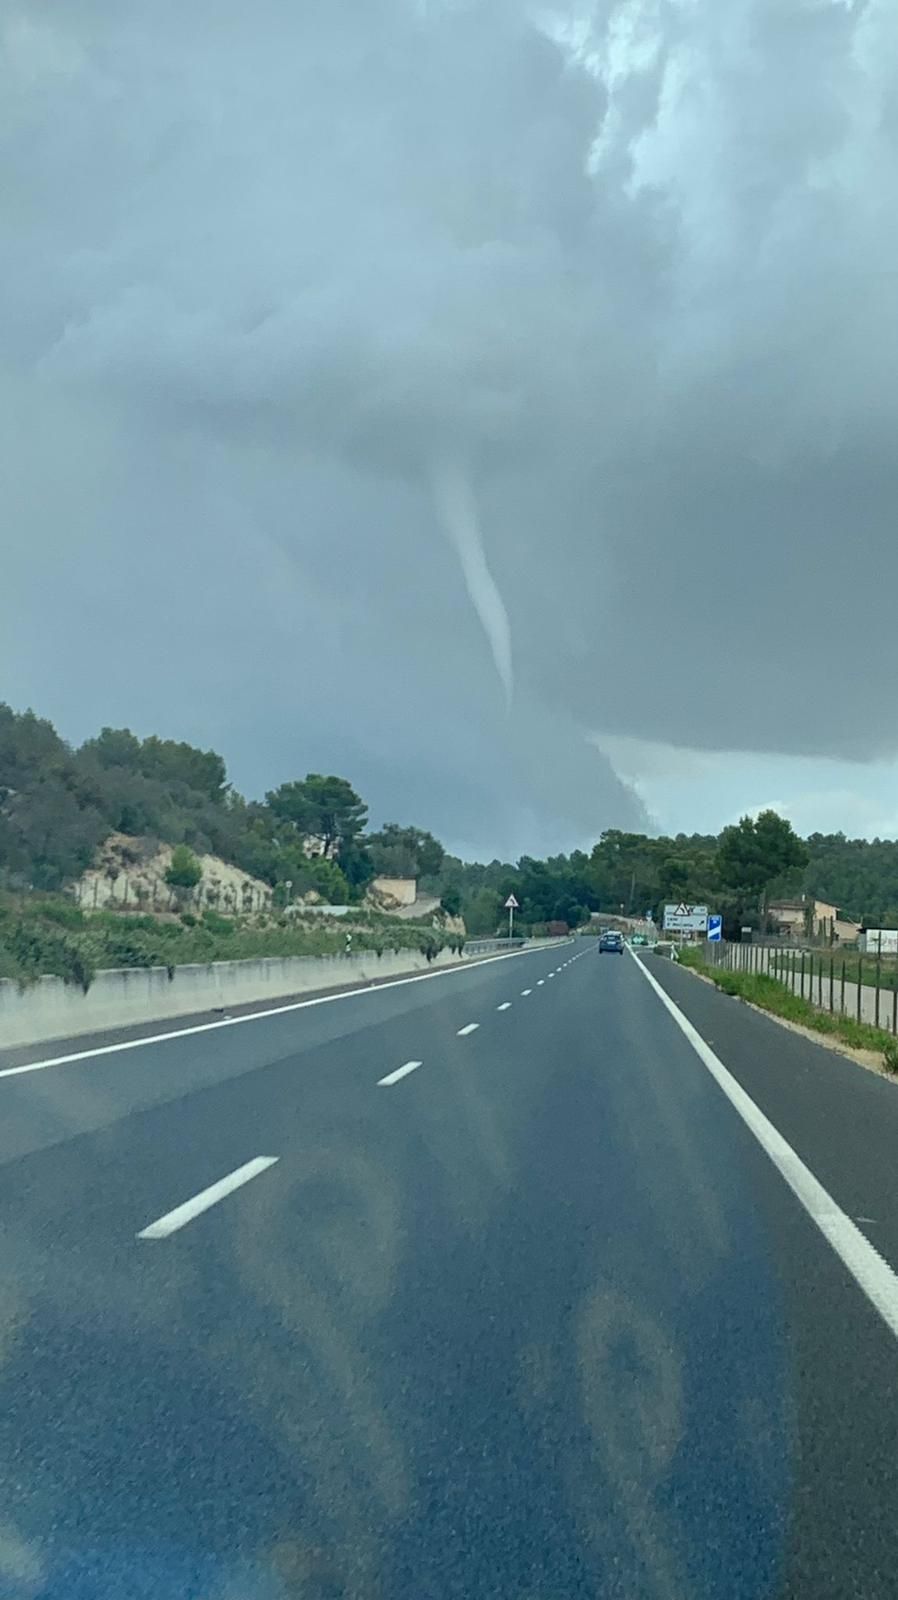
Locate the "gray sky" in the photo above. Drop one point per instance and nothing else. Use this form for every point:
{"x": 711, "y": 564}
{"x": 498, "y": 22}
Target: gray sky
{"x": 493, "y": 403}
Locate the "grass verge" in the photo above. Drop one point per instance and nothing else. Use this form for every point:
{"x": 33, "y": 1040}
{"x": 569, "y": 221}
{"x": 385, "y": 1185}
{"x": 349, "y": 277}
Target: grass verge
{"x": 771, "y": 995}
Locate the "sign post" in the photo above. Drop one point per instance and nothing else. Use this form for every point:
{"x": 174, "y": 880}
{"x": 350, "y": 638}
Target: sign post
{"x": 715, "y": 929}
{"x": 511, "y": 906}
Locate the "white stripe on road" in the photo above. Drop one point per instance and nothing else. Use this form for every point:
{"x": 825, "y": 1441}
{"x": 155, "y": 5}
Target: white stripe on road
{"x": 505, "y": 1006}
{"x": 173, "y": 1220}
{"x": 256, "y": 1016}
{"x": 470, "y": 1027}
{"x": 540, "y": 982}
{"x": 871, "y": 1273}
{"x": 526, "y": 991}
{"x": 401, "y": 1072}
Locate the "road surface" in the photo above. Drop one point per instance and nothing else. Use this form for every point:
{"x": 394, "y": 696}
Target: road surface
{"x": 477, "y": 1285}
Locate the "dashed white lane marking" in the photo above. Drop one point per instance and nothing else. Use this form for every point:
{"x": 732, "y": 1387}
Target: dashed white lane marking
{"x": 505, "y": 1006}
{"x": 401, "y": 1072}
{"x": 254, "y": 1016}
{"x": 526, "y": 991}
{"x": 871, "y": 1273}
{"x": 540, "y": 982}
{"x": 173, "y": 1220}
{"x": 470, "y": 1027}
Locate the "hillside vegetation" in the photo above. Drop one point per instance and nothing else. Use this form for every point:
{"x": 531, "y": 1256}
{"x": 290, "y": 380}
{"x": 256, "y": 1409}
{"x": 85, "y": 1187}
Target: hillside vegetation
{"x": 59, "y": 804}
{"x": 54, "y": 937}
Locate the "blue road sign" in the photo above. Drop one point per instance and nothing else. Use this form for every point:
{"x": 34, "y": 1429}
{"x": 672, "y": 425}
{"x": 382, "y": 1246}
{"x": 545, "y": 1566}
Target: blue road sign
{"x": 715, "y": 929}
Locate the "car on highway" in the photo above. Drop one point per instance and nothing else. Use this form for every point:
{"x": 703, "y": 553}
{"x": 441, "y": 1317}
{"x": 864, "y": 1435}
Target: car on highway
{"x": 612, "y": 941}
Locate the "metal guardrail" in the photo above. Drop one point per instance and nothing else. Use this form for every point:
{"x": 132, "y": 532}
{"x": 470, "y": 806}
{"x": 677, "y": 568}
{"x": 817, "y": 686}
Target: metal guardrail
{"x": 482, "y": 947}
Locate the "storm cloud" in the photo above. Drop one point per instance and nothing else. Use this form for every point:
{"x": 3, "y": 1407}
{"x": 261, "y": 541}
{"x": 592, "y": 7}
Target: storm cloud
{"x": 290, "y": 293}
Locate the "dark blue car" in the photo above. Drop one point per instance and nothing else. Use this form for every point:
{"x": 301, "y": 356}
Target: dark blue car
{"x": 611, "y": 940}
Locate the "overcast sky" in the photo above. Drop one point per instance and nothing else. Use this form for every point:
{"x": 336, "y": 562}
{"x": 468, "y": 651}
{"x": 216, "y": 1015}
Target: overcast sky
{"x": 492, "y": 403}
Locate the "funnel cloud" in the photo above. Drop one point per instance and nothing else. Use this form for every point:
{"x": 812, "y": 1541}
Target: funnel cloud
{"x": 623, "y": 270}
{"x": 459, "y": 513}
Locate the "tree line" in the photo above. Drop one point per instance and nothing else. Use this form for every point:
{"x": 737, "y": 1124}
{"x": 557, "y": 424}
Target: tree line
{"x": 58, "y": 803}
{"x": 630, "y": 874}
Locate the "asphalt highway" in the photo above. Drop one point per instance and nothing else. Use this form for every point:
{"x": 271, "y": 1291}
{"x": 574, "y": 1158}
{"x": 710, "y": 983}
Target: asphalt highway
{"x": 496, "y": 1283}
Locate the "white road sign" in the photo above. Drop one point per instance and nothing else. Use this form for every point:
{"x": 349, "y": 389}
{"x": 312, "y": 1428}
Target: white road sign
{"x": 685, "y": 919}
{"x": 511, "y": 904}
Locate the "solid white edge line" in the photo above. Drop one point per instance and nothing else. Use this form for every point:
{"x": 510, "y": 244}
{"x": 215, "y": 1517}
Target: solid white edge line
{"x": 401, "y": 1072}
{"x": 870, "y": 1271}
{"x": 469, "y": 1027}
{"x": 252, "y": 1016}
{"x": 505, "y": 1006}
{"x": 173, "y": 1220}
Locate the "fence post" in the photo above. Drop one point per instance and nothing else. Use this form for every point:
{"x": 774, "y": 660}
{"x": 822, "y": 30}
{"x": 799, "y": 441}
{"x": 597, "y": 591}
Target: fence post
{"x": 832, "y": 966}
{"x": 878, "y": 979}
{"x": 802, "y": 974}
{"x": 858, "y": 1008}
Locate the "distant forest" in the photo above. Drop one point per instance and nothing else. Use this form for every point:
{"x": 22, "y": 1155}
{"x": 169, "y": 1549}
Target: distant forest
{"x": 58, "y": 804}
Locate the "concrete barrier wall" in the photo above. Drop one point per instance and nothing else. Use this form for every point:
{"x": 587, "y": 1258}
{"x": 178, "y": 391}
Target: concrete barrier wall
{"x": 52, "y": 1009}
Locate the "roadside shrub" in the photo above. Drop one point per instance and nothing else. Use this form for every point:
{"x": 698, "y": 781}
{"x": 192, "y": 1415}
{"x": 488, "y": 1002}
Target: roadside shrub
{"x": 126, "y": 953}
{"x": 37, "y": 950}
{"x": 890, "y": 1055}
{"x": 62, "y": 912}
